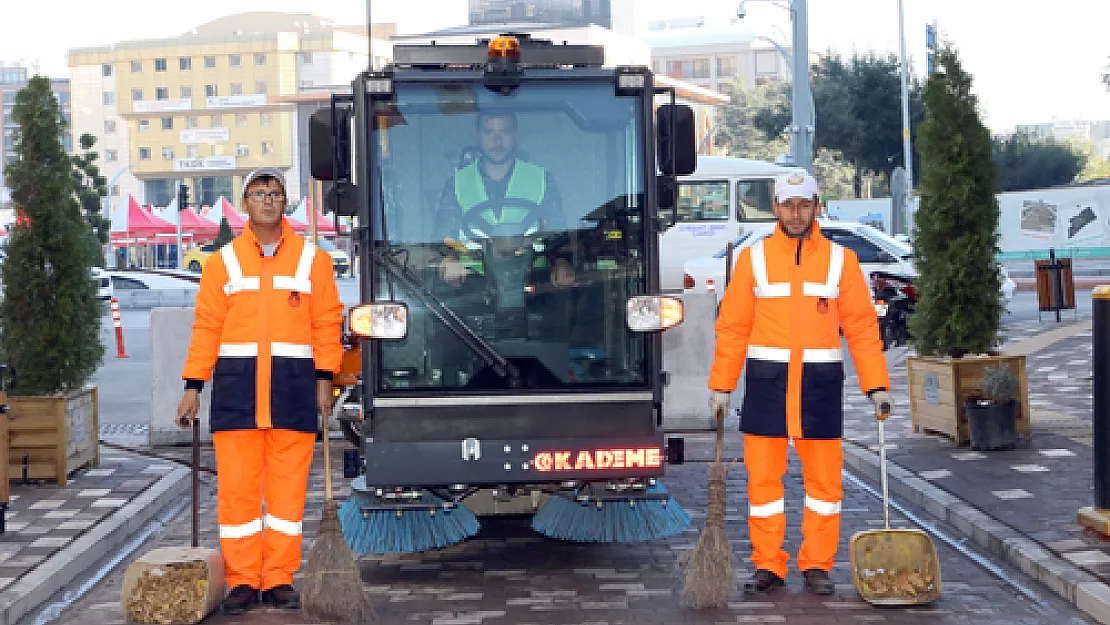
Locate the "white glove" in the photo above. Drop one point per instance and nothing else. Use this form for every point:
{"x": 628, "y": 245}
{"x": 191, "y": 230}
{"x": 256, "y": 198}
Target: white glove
{"x": 884, "y": 404}
{"x": 718, "y": 404}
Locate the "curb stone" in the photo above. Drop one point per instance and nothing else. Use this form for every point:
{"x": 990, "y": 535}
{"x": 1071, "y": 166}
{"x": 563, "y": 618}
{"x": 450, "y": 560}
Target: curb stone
{"x": 108, "y": 536}
{"x": 1081, "y": 589}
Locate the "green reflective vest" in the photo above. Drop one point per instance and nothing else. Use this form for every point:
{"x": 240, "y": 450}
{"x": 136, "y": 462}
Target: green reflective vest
{"x": 528, "y": 182}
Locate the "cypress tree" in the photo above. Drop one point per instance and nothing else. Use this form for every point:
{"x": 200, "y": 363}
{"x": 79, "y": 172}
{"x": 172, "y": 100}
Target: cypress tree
{"x": 49, "y": 316}
{"x": 225, "y": 235}
{"x": 956, "y": 227}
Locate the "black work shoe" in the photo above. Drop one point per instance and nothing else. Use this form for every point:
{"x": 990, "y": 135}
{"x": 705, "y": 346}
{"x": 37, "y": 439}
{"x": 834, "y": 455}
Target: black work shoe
{"x": 818, "y": 582}
{"x": 283, "y": 597}
{"x": 239, "y": 600}
{"x": 763, "y": 581}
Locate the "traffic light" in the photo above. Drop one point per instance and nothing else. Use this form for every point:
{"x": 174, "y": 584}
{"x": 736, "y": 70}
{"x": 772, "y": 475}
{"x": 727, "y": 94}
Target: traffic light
{"x": 182, "y": 197}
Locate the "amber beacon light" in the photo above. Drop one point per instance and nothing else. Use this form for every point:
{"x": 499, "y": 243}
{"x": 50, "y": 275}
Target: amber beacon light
{"x": 504, "y": 47}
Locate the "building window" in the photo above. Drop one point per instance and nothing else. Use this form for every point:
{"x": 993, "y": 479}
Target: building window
{"x": 167, "y": 153}
{"x": 267, "y": 148}
{"x": 185, "y": 63}
{"x": 236, "y": 88}
{"x": 186, "y": 91}
{"x": 211, "y": 91}
{"x": 259, "y": 58}
{"x": 695, "y": 68}
{"x": 241, "y": 149}
{"x": 144, "y": 154}
{"x": 306, "y": 84}
{"x": 111, "y": 156}
{"x": 109, "y": 98}
{"x": 161, "y": 93}
{"x": 192, "y": 151}
{"x": 306, "y": 58}
{"x": 109, "y": 126}
{"x": 159, "y": 65}
{"x": 136, "y": 95}
{"x": 209, "y": 62}
{"x": 674, "y": 69}
{"x": 265, "y": 119}
{"x": 240, "y": 121}
{"x": 113, "y": 190}
{"x": 136, "y": 67}
{"x": 167, "y": 123}
{"x": 234, "y": 60}
{"x": 192, "y": 121}
{"x": 260, "y": 87}
{"x": 106, "y": 69}
{"x": 726, "y": 66}
{"x": 144, "y": 125}
{"x": 216, "y": 121}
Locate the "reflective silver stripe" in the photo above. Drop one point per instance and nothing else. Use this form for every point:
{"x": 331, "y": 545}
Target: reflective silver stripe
{"x": 763, "y": 288}
{"x": 836, "y": 267}
{"x": 824, "y": 508}
{"x": 290, "y": 350}
{"x": 290, "y": 528}
{"x": 816, "y": 289}
{"x": 502, "y": 400}
{"x": 301, "y": 280}
{"x": 241, "y": 531}
{"x": 235, "y": 281}
{"x": 767, "y": 509}
{"x": 238, "y": 350}
{"x": 292, "y": 284}
{"x": 782, "y": 354}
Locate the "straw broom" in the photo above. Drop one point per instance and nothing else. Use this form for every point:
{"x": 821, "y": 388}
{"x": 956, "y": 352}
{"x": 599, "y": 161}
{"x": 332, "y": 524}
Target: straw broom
{"x": 332, "y": 587}
{"x": 710, "y": 571}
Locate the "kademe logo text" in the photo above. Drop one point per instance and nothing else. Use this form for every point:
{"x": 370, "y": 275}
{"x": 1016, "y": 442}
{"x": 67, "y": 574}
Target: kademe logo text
{"x": 597, "y": 459}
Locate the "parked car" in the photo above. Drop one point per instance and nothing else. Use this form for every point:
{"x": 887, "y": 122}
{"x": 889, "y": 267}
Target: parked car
{"x": 104, "y": 289}
{"x": 195, "y": 257}
{"x": 876, "y": 251}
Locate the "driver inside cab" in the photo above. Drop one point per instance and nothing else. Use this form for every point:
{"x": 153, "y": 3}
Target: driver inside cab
{"x": 498, "y": 194}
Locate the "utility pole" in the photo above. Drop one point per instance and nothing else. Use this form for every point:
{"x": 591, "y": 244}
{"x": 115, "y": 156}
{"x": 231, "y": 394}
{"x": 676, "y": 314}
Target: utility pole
{"x": 907, "y": 147}
{"x": 802, "y": 126}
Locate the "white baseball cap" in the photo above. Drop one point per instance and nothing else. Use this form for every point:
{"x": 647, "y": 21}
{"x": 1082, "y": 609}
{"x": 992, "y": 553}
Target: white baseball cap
{"x": 271, "y": 172}
{"x": 795, "y": 184}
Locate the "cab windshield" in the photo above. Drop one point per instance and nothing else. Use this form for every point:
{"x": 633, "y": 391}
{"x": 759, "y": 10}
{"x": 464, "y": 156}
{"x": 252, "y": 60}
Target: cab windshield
{"x": 512, "y": 227}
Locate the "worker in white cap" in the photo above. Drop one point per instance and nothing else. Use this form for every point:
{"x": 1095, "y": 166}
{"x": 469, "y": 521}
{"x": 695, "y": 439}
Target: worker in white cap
{"x": 267, "y": 334}
{"x": 780, "y": 320}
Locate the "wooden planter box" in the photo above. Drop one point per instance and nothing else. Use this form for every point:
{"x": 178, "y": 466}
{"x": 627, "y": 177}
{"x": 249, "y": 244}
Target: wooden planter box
{"x": 5, "y": 493}
{"x": 939, "y": 387}
{"x": 58, "y": 434}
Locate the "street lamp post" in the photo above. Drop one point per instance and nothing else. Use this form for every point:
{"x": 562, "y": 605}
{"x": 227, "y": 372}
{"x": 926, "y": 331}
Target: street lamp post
{"x": 802, "y": 116}
{"x": 107, "y": 208}
{"x": 907, "y": 148}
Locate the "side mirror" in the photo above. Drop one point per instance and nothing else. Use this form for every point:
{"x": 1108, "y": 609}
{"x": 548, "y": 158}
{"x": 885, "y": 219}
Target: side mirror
{"x": 327, "y": 146}
{"x": 678, "y": 154}
{"x": 340, "y": 198}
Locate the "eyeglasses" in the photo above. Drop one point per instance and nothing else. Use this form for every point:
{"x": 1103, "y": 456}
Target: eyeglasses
{"x": 262, "y": 196}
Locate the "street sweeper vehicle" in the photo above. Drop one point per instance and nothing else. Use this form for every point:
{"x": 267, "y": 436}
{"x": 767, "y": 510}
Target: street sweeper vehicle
{"x": 508, "y": 197}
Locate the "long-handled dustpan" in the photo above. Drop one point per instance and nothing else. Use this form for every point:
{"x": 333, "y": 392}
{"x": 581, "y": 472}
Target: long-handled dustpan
{"x": 176, "y": 585}
{"x": 894, "y": 566}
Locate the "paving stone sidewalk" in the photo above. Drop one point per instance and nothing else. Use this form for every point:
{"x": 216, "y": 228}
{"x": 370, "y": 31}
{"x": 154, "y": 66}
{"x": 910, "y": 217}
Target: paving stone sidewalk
{"x": 54, "y": 531}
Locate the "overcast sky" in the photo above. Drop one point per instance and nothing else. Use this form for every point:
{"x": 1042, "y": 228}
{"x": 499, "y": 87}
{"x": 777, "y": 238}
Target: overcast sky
{"x": 1032, "y": 62}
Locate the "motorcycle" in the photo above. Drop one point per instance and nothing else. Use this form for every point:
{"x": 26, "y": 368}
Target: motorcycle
{"x": 894, "y": 297}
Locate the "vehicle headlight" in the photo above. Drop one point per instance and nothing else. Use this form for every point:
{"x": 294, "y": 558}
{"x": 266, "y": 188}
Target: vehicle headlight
{"x": 648, "y": 313}
{"x": 387, "y": 320}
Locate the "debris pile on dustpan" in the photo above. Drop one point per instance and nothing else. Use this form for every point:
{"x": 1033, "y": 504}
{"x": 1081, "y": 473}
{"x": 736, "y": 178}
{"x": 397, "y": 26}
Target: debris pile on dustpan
{"x": 175, "y": 592}
{"x": 898, "y": 583}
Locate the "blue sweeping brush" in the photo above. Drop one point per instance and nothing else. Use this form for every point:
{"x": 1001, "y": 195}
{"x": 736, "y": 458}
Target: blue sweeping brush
{"x": 407, "y": 530}
{"x": 615, "y": 520}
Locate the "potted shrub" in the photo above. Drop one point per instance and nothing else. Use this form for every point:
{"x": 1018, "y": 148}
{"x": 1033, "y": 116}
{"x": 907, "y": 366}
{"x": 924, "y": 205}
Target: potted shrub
{"x": 954, "y": 328}
{"x": 50, "y": 315}
{"x": 992, "y": 415}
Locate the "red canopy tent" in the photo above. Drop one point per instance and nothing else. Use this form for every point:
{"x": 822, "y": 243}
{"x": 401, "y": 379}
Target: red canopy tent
{"x": 223, "y": 208}
{"x": 199, "y": 227}
{"x": 132, "y": 222}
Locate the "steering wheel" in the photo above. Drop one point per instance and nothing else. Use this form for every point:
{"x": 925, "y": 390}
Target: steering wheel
{"x": 477, "y": 228}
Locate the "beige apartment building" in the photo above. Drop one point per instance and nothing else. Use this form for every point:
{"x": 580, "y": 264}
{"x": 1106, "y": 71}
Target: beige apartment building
{"x": 205, "y": 108}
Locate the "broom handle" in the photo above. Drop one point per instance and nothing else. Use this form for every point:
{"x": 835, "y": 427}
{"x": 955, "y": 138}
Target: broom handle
{"x": 327, "y": 458}
{"x": 882, "y": 472}
{"x": 720, "y": 438}
{"x": 196, "y": 480}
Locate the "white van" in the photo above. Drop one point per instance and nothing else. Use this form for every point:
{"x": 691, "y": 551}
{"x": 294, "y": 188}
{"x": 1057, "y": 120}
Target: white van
{"x": 713, "y": 204}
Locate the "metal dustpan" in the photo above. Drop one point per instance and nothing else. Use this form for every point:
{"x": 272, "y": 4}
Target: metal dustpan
{"x": 894, "y": 566}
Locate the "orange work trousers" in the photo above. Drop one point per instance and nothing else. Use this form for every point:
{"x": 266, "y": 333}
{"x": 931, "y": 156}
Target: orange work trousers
{"x": 262, "y": 480}
{"x": 822, "y": 462}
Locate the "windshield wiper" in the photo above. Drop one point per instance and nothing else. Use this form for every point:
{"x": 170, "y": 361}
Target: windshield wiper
{"x": 500, "y": 365}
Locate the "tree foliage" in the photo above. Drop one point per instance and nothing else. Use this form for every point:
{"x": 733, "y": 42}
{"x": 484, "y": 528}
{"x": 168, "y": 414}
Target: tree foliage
{"x": 1024, "y": 163}
{"x": 956, "y": 227}
{"x": 49, "y": 316}
{"x": 90, "y": 187}
{"x": 225, "y": 235}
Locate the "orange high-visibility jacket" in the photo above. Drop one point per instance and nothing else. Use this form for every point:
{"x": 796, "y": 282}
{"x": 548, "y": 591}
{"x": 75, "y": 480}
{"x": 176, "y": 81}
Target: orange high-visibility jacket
{"x": 266, "y": 329}
{"x": 782, "y": 313}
